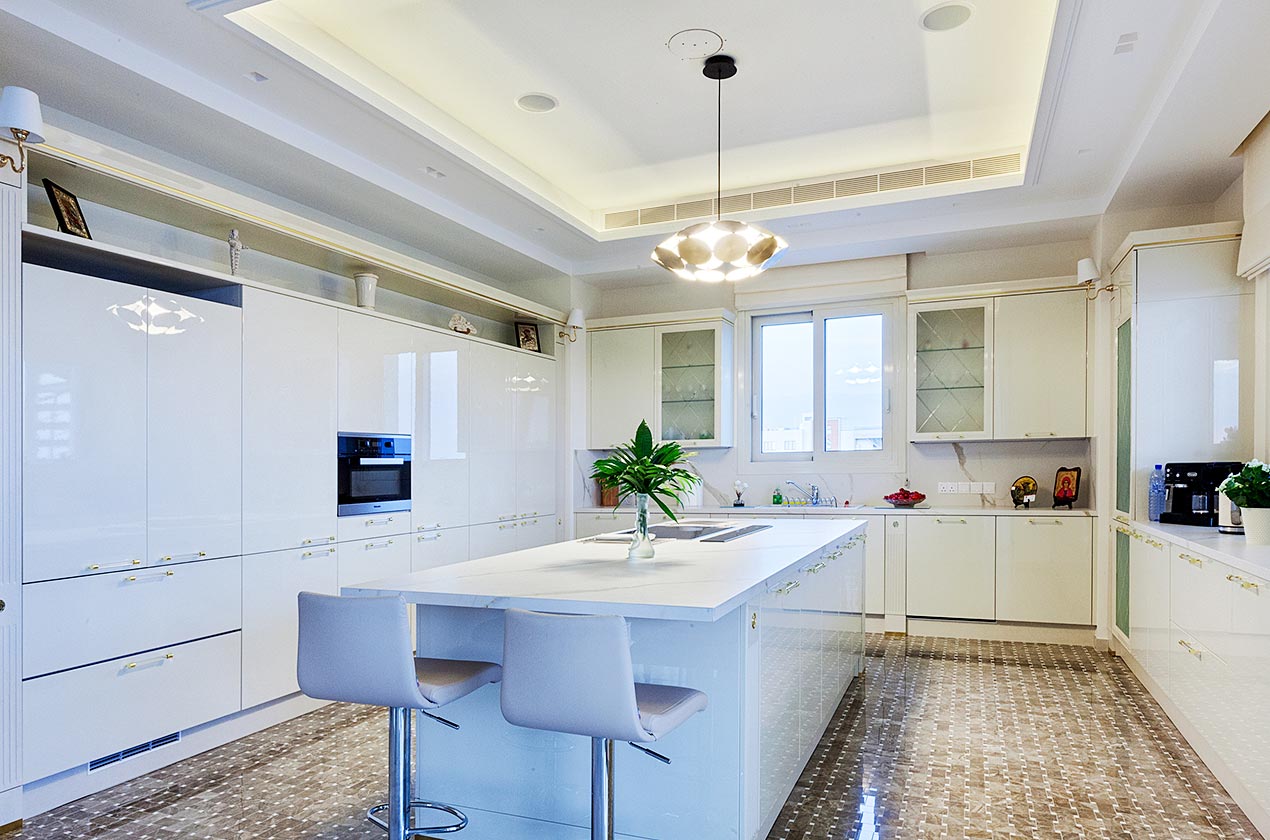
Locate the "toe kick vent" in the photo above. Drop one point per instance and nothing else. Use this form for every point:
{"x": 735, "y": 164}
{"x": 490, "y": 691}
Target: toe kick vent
{"x": 132, "y": 752}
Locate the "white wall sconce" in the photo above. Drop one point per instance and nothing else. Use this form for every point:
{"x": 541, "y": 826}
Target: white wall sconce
{"x": 576, "y": 322}
{"x": 20, "y": 113}
{"x": 1087, "y": 275}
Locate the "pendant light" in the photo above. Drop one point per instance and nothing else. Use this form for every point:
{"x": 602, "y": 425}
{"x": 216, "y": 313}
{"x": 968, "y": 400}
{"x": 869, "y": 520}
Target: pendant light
{"x": 724, "y": 249}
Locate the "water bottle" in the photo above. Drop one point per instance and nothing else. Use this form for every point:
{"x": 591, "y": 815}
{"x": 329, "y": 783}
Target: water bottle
{"x": 1155, "y": 493}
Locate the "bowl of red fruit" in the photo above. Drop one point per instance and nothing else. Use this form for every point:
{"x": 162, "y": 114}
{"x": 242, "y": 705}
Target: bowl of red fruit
{"x": 904, "y": 498}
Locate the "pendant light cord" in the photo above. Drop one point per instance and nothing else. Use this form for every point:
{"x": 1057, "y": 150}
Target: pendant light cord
{"x": 718, "y": 157}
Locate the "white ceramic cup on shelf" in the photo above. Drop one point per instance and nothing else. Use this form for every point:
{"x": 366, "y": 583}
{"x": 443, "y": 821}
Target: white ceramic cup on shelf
{"x": 366, "y": 284}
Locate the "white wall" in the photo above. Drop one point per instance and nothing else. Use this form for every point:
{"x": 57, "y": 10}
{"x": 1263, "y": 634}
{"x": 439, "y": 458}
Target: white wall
{"x": 1024, "y": 262}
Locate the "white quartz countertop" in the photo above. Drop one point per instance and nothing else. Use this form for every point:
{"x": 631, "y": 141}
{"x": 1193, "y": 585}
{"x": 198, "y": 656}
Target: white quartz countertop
{"x": 1231, "y": 549}
{"x": 687, "y": 580}
{"x": 855, "y": 510}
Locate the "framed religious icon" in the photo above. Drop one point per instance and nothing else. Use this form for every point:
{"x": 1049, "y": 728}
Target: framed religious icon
{"x": 1066, "y": 487}
{"x": 527, "y": 336}
{"x": 70, "y": 218}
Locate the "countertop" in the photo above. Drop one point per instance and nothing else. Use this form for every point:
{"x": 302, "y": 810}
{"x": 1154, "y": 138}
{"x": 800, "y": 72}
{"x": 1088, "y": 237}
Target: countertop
{"x": 687, "y": 580}
{"x": 855, "y": 510}
{"x": 1231, "y": 549}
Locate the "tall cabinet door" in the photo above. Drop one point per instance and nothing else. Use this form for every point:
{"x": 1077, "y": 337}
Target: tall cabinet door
{"x": 622, "y": 385}
{"x": 376, "y": 375}
{"x": 950, "y": 362}
{"x": 439, "y": 471}
{"x": 194, "y": 429}
{"x": 534, "y": 427}
{"x": 493, "y": 465}
{"x": 84, "y": 424}
{"x": 289, "y": 364}
{"x": 1039, "y": 366}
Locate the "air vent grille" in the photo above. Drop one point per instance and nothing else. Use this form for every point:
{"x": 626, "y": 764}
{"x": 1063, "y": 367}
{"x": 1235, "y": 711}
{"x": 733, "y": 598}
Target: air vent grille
{"x": 123, "y": 755}
{"x": 899, "y": 179}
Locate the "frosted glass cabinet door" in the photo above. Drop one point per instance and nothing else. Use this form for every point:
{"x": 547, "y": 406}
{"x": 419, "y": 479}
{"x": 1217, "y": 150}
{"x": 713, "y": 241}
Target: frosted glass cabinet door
{"x": 534, "y": 426}
{"x": 1039, "y": 366}
{"x": 687, "y": 375}
{"x": 950, "y": 360}
{"x": 84, "y": 421}
{"x": 439, "y": 471}
{"x": 492, "y": 492}
{"x": 194, "y": 429}
{"x": 376, "y": 376}
{"x": 289, "y": 433}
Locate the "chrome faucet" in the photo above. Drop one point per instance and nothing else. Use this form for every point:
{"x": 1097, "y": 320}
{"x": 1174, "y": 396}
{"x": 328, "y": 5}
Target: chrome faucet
{"x": 813, "y": 498}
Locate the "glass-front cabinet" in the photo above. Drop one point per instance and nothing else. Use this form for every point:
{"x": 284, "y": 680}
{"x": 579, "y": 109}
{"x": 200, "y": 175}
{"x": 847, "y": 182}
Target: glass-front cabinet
{"x": 687, "y": 366}
{"x": 950, "y": 366}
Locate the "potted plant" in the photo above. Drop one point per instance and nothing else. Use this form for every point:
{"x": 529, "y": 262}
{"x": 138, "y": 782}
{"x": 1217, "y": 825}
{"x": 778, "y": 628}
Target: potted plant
{"x": 644, "y": 470}
{"x": 1250, "y": 489}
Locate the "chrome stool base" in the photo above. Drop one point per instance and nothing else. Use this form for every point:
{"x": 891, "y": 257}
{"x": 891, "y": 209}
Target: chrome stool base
{"x": 416, "y": 831}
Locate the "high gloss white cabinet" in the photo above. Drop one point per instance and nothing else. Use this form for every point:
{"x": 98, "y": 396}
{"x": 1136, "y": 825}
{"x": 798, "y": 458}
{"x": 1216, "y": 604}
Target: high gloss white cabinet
{"x": 1039, "y": 367}
{"x": 271, "y": 583}
{"x": 440, "y": 475}
{"x": 373, "y": 559}
{"x": 84, "y": 424}
{"x": 1149, "y": 633}
{"x": 534, "y": 435}
{"x": 438, "y": 548}
{"x": 492, "y": 538}
{"x": 951, "y": 566}
{"x": 622, "y": 384}
{"x": 1044, "y": 569}
{"x": 376, "y": 375}
{"x": 194, "y": 429}
{"x": 289, "y": 431}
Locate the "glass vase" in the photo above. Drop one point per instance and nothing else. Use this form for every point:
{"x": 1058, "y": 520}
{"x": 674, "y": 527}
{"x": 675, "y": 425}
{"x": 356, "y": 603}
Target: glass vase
{"x": 641, "y": 543}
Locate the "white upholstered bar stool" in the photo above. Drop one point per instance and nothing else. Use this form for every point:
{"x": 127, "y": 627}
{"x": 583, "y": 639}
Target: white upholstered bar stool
{"x": 358, "y": 650}
{"x": 573, "y": 674}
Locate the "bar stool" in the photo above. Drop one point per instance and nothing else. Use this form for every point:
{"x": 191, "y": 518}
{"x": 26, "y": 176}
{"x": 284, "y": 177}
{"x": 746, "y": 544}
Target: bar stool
{"x": 358, "y": 650}
{"x": 573, "y": 674}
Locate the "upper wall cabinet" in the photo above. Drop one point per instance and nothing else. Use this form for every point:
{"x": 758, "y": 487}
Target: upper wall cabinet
{"x": 679, "y": 376}
{"x": 289, "y": 431}
{"x": 1007, "y": 368}
{"x": 376, "y": 375}
{"x": 84, "y": 425}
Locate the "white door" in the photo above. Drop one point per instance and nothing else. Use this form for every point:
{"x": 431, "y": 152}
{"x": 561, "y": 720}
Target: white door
{"x": 1039, "y": 366}
{"x": 438, "y": 548}
{"x": 622, "y": 385}
{"x": 84, "y": 424}
{"x": 952, "y": 567}
{"x": 194, "y": 428}
{"x": 374, "y": 559}
{"x": 534, "y": 425}
{"x": 535, "y": 531}
{"x": 271, "y": 584}
{"x": 289, "y": 431}
{"x": 376, "y": 375}
{"x": 493, "y": 455}
{"x": 491, "y": 538}
{"x": 439, "y": 469}
{"x": 1045, "y": 569}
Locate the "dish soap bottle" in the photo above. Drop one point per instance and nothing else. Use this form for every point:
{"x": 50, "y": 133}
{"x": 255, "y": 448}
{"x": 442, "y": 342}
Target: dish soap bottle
{"x": 777, "y": 499}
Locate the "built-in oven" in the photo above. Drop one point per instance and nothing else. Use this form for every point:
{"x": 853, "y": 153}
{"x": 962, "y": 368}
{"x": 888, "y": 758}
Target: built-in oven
{"x": 374, "y": 473}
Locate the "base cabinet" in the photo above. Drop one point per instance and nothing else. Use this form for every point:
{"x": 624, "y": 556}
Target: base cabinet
{"x": 491, "y": 538}
{"x": 1045, "y": 569}
{"x": 952, "y": 567}
{"x": 373, "y": 559}
{"x": 430, "y": 549}
{"x": 271, "y": 583}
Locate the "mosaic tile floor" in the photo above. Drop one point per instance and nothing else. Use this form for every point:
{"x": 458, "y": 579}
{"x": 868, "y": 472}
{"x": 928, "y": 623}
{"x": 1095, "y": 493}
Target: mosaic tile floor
{"x": 944, "y": 739}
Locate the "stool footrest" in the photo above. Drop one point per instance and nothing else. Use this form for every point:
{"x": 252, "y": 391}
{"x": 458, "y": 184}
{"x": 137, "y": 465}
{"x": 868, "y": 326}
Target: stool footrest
{"x": 421, "y": 830}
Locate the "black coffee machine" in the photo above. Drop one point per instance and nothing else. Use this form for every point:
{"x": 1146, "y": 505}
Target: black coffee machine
{"x": 1191, "y": 496}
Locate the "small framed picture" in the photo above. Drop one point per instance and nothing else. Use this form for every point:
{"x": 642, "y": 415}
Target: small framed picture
{"x": 527, "y": 336}
{"x": 70, "y": 219}
{"x": 1066, "y": 487}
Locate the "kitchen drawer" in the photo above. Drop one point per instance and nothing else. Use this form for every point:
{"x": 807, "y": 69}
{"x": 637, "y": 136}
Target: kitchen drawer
{"x": 951, "y": 567}
{"x": 1200, "y": 596}
{"x": 429, "y": 549}
{"x": 349, "y": 528}
{"x": 77, "y": 621}
{"x": 374, "y": 559}
{"x": 73, "y": 717}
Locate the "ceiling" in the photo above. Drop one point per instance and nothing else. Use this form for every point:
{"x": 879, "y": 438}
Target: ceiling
{"x": 857, "y": 84}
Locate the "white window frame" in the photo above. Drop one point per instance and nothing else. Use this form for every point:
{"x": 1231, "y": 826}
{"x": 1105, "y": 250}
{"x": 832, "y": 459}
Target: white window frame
{"x": 891, "y": 458}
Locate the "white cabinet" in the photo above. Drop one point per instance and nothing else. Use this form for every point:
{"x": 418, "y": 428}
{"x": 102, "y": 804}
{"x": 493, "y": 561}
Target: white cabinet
{"x": 1200, "y": 597}
{"x": 194, "y": 429}
{"x": 438, "y": 548}
{"x": 271, "y": 584}
{"x": 84, "y": 424}
{"x": 622, "y": 384}
{"x": 951, "y": 566}
{"x": 1149, "y": 634}
{"x": 492, "y": 538}
{"x": 535, "y": 531}
{"x": 363, "y": 527}
{"x": 289, "y": 432}
{"x": 373, "y": 559}
{"x": 534, "y": 435}
{"x": 950, "y": 367}
{"x": 492, "y": 492}
{"x": 1044, "y": 569}
{"x": 1039, "y": 366}
{"x": 376, "y": 375}
{"x": 444, "y": 400}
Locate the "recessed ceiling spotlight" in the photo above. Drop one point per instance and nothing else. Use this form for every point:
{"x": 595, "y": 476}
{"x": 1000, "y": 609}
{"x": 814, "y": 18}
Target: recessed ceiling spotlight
{"x": 537, "y": 103}
{"x": 694, "y": 44}
{"x": 256, "y": 76}
{"x": 945, "y": 16}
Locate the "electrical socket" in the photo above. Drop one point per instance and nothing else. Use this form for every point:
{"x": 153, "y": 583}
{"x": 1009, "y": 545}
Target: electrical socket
{"x": 976, "y": 487}
{"x": 963, "y": 487}
{"x": 947, "y": 487}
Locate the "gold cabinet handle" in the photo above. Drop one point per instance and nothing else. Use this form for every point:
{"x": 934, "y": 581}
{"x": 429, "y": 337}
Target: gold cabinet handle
{"x": 939, "y": 521}
{"x": 316, "y": 540}
{"x": 950, "y": 437}
{"x": 816, "y": 569}
{"x": 1040, "y": 434}
{"x": 1233, "y": 578}
{"x": 433, "y": 527}
{"x": 313, "y": 553}
{"x": 193, "y": 555}
{"x": 1194, "y": 561}
{"x": 127, "y": 564}
{"x": 428, "y": 537}
{"x": 383, "y": 544}
{"x": 1123, "y": 530}
{"x": 160, "y": 576}
{"x": 1250, "y": 586}
{"x": 132, "y": 666}
{"x": 384, "y": 521}
{"x": 1154, "y": 543}
{"x": 789, "y": 587}
{"x": 1045, "y": 522}
{"x": 1191, "y": 649}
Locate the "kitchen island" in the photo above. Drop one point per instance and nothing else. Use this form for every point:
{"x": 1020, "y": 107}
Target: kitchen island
{"x": 769, "y": 625}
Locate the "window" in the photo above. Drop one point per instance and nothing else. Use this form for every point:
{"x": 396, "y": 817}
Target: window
{"x": 823, "y": 386}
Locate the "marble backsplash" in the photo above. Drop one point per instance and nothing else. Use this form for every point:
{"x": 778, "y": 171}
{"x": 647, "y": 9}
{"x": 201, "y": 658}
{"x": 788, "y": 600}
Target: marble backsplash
{"x": 929, "y": 464}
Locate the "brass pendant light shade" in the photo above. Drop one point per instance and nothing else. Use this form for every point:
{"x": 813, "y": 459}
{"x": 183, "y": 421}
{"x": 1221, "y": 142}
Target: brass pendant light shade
{"x": 712, "y": 252}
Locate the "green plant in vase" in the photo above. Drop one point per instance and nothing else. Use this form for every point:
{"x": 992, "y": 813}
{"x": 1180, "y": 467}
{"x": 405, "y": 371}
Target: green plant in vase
{"x": 1250, "y": 489}
{"x": 646, "y": 471}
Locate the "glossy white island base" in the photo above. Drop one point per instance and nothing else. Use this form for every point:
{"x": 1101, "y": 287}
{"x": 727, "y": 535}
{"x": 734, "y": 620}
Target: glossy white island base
{"x": 770, "y": 626}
